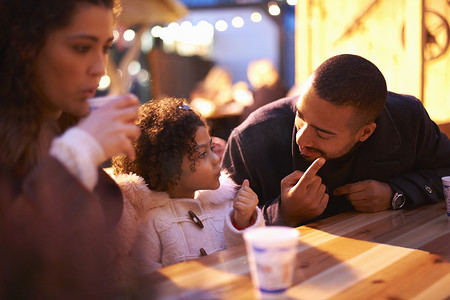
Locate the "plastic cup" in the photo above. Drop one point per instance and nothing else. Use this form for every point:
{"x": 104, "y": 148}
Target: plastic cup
{"x": 95, "y": 103}
{"x": 446, "y": 185}
{"x": 271, "y": 254}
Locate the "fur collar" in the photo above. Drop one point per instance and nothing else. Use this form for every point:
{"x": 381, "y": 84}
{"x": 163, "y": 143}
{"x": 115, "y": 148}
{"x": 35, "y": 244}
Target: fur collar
{"x": 136, "y": 190}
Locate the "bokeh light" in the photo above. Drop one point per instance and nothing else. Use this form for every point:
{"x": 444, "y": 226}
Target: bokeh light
{"x": 237, "y": 22}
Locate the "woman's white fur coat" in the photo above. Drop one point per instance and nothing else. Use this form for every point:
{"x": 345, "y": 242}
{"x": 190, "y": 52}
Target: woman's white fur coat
{"x": 156, "y": 231}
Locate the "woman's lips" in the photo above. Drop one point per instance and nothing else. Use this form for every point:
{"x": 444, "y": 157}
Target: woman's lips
{"x": 89, "y": 93}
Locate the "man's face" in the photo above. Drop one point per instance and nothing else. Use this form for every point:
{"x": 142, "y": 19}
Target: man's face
{"x": 325, "y": 130}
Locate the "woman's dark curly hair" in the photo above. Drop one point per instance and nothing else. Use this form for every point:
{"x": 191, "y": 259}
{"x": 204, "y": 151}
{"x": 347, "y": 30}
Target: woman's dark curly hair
{"x": 168, "y": 127}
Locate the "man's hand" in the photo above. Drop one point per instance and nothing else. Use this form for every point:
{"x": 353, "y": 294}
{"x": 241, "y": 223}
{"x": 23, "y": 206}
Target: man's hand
{"x": 367, "y": 195}
{"x": 303, "y": 195}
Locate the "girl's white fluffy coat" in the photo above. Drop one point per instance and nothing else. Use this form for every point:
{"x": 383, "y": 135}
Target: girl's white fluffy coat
{"x": 156, "y": 231}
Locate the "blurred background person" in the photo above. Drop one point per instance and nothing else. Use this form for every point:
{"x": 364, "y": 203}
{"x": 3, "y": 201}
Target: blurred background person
{"x": 265, "y": 84}
{"x": 213, "y": 95}
{"x": 216, "y": 86}
{"x": 220, "y": 101}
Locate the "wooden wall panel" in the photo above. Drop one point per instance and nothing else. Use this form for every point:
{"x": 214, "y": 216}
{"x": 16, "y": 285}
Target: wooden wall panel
{"x": 437, "y": 71}
{"x": 385, "y": 32}
{"x": 389, "y": 33}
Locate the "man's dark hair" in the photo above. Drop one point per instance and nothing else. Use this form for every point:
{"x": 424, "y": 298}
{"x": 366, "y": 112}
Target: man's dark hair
{"x": 351, "y": 80}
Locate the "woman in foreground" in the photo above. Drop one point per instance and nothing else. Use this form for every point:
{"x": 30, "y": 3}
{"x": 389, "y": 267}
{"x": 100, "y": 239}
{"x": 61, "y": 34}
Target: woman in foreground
{"x": 57, "y": 207}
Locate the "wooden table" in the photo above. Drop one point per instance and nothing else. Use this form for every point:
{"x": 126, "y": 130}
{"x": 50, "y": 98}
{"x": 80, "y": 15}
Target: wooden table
{"x": 386, "y": 255}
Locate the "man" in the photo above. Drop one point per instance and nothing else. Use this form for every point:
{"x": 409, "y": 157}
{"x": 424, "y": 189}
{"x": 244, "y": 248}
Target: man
{"x": 344, "y": 144}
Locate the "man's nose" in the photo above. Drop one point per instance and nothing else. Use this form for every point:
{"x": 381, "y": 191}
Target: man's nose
{"x": 304, "y": 136}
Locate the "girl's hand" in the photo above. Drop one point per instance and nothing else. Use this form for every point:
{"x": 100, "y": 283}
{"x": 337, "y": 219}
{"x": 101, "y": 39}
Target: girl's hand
{"x": 113, "y": 125}
{"x": 244, "y": 205}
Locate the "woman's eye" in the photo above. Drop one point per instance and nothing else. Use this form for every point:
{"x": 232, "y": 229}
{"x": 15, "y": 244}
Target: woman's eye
{"x": 107, "y": 48}
{"x": 82, "y": 48}
{"x": 202, "y": 155}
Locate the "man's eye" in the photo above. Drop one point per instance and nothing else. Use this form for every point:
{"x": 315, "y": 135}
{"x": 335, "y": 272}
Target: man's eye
{"x": 299, "y": 123}
{"x": 323, "y": 136}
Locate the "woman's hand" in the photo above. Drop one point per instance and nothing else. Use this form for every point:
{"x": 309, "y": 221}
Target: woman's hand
{"x": 244, "y": 205}
{"x": 113, "y": 125}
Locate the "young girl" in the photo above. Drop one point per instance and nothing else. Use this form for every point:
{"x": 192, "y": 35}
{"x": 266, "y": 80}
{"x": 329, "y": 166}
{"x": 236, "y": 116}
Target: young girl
{"x": 190, "y": 208}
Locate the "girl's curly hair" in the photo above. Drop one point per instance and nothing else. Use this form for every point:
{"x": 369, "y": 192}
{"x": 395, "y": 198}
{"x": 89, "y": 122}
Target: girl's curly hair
{"x": 168, "y": 127}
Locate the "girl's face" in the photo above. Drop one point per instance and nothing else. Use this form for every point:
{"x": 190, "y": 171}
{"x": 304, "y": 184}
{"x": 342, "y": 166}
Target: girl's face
{"x": 73, "y": 59}
{"x": 205, "y": 175}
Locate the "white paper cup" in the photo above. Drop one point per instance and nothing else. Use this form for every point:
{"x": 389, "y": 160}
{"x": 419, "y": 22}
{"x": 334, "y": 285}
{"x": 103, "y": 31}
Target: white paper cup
{"x": 446, "y": 185}
{"x": 271, "y": 254}
{"x": 95, "y": 103}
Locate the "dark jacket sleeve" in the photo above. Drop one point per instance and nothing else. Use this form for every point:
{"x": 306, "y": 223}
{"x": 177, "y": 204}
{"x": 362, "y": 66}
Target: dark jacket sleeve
{"x": 240, "y": 167}
{"x": 57, "y": 234}
{"x": 260, "y": 150}
{"x": 429, "y": 151}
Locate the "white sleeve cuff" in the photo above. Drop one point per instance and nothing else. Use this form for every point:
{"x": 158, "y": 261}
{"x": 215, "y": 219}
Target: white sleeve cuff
{"x": 80, "y": 153}
{"x": 233, "y": 236}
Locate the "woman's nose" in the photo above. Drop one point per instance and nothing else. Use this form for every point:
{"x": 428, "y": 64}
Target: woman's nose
{"x": 98, "y": 66}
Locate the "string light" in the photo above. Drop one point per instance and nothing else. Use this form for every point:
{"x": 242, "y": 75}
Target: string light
{"x": 104, "y": 83}
{"x": 134, "y": 67}
{"x": 186, "y": 25}
{"x": 221, "y": 25}
{"x": 129, "y": 35}
{"x": 273, "y": 8}
{"x": 156, "y": 31}
{"x": 146, "y": 41}
{"x": 189, "y": 39}
{"x": 237, "y": 22}
{"x": 256, "y": 17}
{"x": 143, "y": 76}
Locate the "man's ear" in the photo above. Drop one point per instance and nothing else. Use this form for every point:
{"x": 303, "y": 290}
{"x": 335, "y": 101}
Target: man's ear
{"x": 366, "y": 131}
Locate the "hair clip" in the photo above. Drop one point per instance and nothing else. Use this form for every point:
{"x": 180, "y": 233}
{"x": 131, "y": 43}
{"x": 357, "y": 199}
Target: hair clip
{"x": 185, "y": 107}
